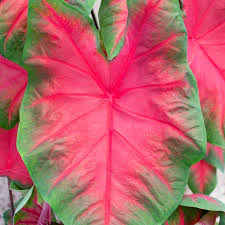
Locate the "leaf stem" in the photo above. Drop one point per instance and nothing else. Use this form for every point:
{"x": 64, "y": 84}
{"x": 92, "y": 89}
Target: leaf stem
{"x": 94, "y": 19}
{"x": 11, "y": 200}
{"x": 181, "y": 5}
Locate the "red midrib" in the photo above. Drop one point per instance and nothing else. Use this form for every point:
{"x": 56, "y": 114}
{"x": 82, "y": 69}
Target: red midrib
{"x": 107, "y": 202}
{"x": 110, "y": 124}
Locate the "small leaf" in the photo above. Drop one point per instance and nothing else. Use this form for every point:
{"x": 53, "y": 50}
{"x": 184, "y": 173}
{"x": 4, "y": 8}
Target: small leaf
{"x": 202, "y": 178}
{"x": 7, "y": 217}
{"x": 196, "y": 209}
{"x": 13, "y": 81}
{"x": 113, "y": 19}
{"x": 7, "y": 214}
{"x": 205, "y": 24}
{"x": 32, "y": 210}
{"x": 17, "y": 186}
{"x": 203, "y": 202}
{"x": 45, "y": 216}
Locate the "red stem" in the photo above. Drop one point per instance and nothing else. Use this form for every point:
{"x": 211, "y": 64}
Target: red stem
{"x": 11, "y": 200}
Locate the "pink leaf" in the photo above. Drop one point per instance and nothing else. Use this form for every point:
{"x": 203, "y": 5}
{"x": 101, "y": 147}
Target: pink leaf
{"x": 117, "y": 136}
{"x": 205, "y": 24}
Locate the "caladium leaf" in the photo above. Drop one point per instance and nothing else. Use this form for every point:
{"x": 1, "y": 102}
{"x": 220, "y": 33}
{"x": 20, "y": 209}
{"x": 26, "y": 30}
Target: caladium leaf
{"x": 203, "y": 178}
{"x": 208, "y": 219}
{"x": 203, "y": 202}
{"x": 215, "y": 156}
{"x": 196, "y": 209}
{"x": 205, "y": 24}
{"x": 13, "y": 25}
{"x": 88, "y": 117}
{"x": 113, "y": 19}
{"x": 11, "y": 164}
{"x": 32, "y": 210}
{"x": 191, "y": 216}
{"x": 18, "y": 187}
{"x": 13, "y": 81}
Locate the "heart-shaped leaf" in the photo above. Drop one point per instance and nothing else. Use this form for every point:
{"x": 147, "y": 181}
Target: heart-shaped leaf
{"x": 113, "y": 19}
{"x": 197, "y": 209}
{"x": 205, "y": 24}
{"x": 116, "y": 137}
{"x": 13, "y": 81}
{"x": 32, "y": 210}
{"x": 11, "y": 164}
{"x": 203, "y": 178}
